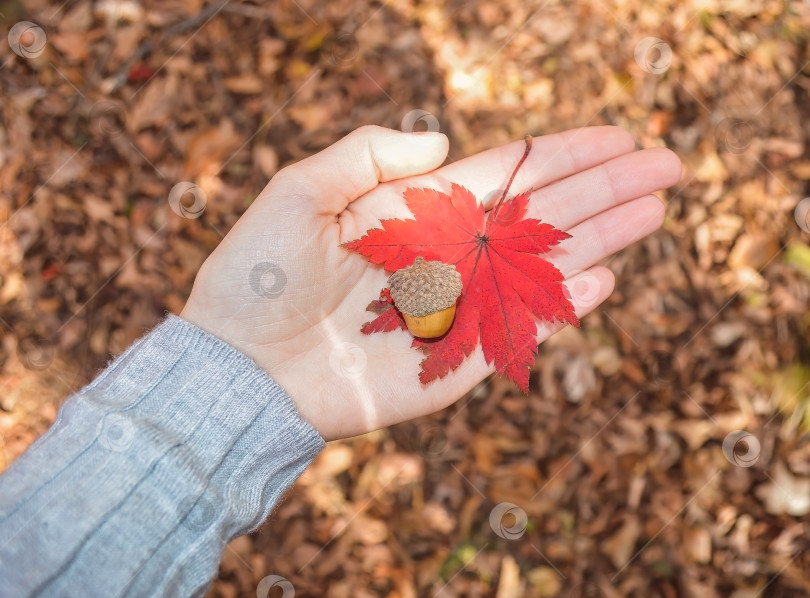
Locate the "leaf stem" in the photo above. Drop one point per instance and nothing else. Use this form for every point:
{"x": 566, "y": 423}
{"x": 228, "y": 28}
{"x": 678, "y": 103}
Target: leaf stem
{"x": 528, "y": 140}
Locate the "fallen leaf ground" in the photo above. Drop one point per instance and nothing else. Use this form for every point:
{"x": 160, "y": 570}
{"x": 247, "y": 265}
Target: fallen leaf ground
{"x": 616, "y": 457}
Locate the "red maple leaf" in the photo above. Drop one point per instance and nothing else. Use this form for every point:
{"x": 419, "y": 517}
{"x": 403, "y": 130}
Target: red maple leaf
{"x": 506, "y": 285}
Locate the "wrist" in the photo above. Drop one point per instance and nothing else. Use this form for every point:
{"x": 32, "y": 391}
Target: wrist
{"x": 199, "y": 316}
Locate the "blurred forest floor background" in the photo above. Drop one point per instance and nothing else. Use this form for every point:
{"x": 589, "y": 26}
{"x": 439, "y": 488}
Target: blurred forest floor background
{"x": 616, "y": 456}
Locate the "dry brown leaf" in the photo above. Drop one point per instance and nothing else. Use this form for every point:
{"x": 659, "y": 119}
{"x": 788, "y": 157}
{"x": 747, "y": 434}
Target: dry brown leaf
{"x": 753, "y": 250}
{"x": 620, "y": 546}
{"x": 785, "y": 493}
{"x": 697, "y": 544}
{"x": 509, "y": 583}
{"x": 246, "y": 83}
{"x": 266, "y": 158}
{"x": 209, "y": 150}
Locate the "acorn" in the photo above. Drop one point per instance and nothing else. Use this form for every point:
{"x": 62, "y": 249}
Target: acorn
{"x": 426, "y": 294}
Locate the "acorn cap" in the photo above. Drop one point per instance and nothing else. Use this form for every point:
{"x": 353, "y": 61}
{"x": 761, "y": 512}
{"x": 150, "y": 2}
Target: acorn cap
{"x": 425, "y": 287}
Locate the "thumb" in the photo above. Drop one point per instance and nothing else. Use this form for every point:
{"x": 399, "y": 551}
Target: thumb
{"x": 344, "y": 171}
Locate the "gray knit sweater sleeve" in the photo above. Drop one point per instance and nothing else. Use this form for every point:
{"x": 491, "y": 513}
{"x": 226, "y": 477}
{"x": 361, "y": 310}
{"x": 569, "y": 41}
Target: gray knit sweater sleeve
{"x": 180, "y": 445}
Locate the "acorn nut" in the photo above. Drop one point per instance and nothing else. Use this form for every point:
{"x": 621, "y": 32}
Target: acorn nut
{"x": 426, "y": 294}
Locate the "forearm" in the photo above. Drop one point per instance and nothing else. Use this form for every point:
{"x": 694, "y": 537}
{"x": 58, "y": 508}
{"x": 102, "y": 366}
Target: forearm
{"x": 179, "y": 446}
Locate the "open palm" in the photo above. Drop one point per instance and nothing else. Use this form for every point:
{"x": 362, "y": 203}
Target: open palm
{"x": 282, "y": 290}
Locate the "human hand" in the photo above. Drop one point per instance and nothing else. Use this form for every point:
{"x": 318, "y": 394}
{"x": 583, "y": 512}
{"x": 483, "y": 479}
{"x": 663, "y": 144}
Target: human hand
{"x": 281, "y": 289}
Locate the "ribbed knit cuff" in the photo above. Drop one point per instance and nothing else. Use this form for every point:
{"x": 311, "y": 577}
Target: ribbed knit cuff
{"x": 180, "y": 445}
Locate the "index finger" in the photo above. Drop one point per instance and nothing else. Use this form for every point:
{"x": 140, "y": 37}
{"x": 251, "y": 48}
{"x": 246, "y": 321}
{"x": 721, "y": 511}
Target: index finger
{"x": 553, "y": 157}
